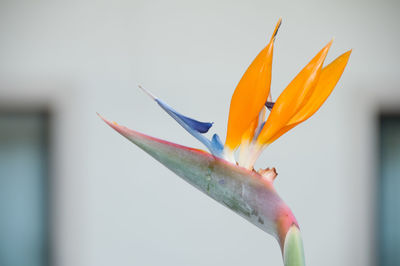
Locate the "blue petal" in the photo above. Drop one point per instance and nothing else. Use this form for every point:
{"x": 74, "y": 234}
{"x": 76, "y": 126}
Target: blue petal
{"x": 269, "y": 105}
{"x": 216, "y": 143}
{"x": 194, "y": 127}
{"x": 258, "y": 131}
{"x": 201, "y": 127}
{"x": 187, "y": 123}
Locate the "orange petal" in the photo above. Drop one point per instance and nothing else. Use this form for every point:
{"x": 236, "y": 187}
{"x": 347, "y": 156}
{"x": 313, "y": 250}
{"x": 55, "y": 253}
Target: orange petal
{"x": 249, "y": 133}
{"x": 281, "y": 131}
{"x": 293, "y": 97}
{"x": 328, "y": 79}
{"x": 330, "y": 76}
{"x": 250, "y": 95}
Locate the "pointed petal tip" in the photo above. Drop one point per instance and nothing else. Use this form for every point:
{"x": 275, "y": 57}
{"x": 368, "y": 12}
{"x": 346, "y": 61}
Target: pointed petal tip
{"x": 101, "y": 117}
{"x": 112, "y": 124}
{"x": 328, "y": 46}
{"x": 323, "y": 53}
{"x": 346, "y": 55}
{"x": 151, "y": 95}
{"x": 278, "y": 25}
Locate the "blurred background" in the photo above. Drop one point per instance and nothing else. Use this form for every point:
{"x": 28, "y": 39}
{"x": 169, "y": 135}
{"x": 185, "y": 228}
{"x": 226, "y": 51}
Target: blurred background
{"x": 74, "y": 192}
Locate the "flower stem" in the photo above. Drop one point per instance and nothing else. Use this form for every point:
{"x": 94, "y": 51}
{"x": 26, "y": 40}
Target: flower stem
{"x": 293, "y": 253}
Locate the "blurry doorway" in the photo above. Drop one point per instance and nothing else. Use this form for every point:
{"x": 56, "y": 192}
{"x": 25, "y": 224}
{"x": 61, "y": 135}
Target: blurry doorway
{"x": 23, "y": 189}
{"x": 389, "y": 205}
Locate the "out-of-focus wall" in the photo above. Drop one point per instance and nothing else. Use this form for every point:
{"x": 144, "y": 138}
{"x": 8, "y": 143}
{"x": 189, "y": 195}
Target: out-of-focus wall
{"x": 114, "y": 205}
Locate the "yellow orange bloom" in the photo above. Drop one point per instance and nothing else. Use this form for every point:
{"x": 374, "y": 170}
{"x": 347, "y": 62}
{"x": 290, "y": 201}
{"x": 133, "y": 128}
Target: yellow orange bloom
{"x": 328, "y": 79}
{"x": 250, "y": 96}
{"x": 294, "y": 96}
{"x": 299, "y": 100}
{"x": 247, "y": 127}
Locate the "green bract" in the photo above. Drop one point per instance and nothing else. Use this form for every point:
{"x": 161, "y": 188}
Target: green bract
{"x": 248, "y": 193}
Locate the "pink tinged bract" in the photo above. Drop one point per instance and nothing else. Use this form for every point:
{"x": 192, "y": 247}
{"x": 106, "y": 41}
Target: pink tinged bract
{"x": 246, "y": 192}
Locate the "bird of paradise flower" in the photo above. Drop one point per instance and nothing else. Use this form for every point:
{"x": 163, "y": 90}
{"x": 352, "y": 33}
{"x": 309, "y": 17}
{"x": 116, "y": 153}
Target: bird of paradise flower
{"x": 234, "y": 182}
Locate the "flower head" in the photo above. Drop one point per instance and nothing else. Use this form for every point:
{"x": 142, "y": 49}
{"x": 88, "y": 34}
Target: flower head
{"x": 249, "y": 128}
{"x": 248, "y": 193}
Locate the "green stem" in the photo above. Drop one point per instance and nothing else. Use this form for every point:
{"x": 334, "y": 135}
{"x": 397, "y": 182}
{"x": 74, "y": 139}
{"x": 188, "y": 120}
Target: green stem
{"x": 293, "y": 253}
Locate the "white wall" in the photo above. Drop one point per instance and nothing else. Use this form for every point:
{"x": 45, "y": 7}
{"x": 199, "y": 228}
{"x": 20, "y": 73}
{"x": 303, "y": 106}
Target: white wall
{"x": 114, "y": 205}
